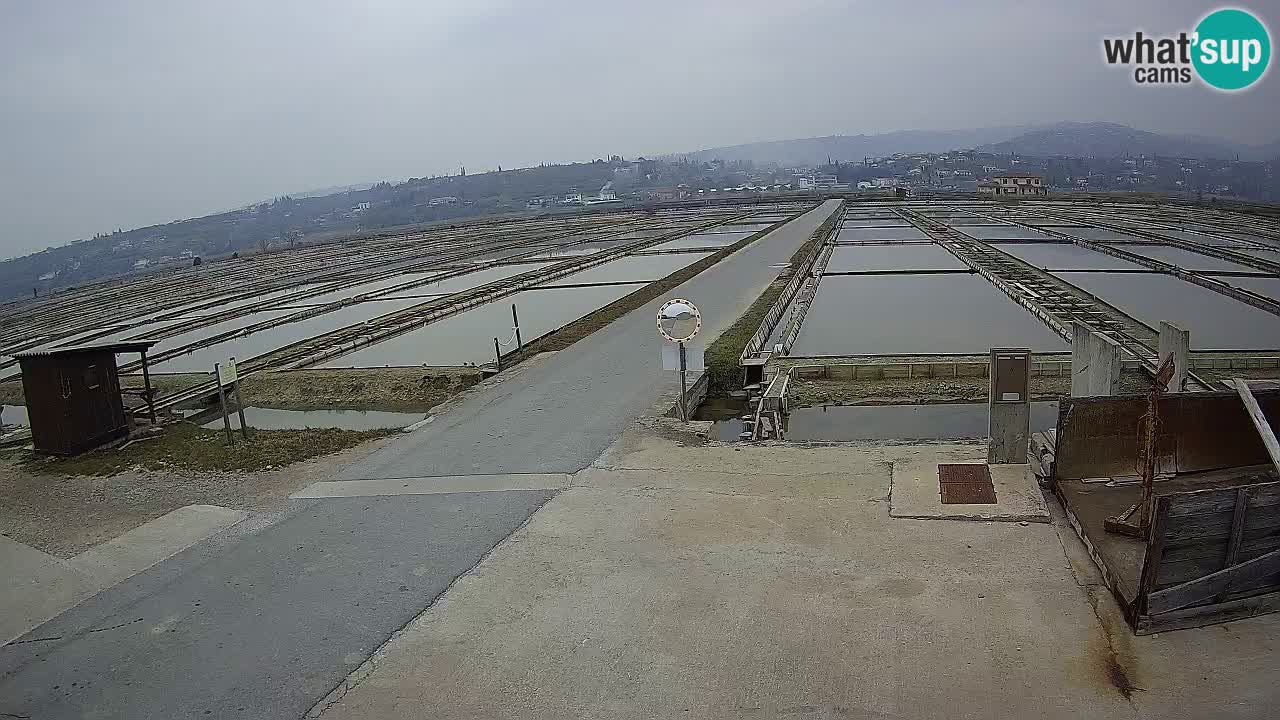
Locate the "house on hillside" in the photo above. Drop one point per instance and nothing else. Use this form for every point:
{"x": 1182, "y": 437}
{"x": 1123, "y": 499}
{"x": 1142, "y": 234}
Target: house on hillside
{"x": 1014, "y": 185}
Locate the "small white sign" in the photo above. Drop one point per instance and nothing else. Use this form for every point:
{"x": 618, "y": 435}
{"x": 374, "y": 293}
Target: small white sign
{"x": 227, "y": 373}
{"x": 693, "y": 357}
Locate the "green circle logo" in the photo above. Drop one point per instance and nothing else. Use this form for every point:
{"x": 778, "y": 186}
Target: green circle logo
{"x": 1232, "y": 49}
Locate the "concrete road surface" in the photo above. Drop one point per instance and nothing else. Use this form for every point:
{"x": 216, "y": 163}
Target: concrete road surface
{"x": 264, "y": 623}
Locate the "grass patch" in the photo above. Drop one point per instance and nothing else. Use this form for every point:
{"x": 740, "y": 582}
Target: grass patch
{"x": 722, "y": 355}
{"x": 185, "y": 447}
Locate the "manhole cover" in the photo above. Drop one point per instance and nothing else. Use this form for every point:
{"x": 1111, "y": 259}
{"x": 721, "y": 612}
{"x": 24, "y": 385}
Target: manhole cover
{"x": 966, "y": 485}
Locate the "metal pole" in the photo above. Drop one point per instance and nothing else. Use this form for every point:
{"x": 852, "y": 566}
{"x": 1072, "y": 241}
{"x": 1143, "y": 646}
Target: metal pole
{"x": 146, "y": 384}
{"x": 222, "y": 399}
{"x": 515, "y": 320}
{"x": 684, "y": 409}
{"x": 497, "y": 353}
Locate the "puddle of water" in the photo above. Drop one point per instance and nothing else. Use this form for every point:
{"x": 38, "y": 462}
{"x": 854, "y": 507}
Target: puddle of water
{"x": 468, "y": 337}
{"x": 853, "y": 222}
{"x": 220, "y": 307}
{"x": 1268, "y": 286}
{"x": 903, "y": 422}
{"x": 917, "y": 314}
{"x": 881, "y": 233}
{"x": 249, "y": 346}
{"x": 1194, "y": 237}
{"x": 1187, "y": 259}
{"x": 1065, "y": 256}
{"x": 1273, "y": 242}
{"x": 633, "y": 268}
{"x": 703, "y": 240}
{"x": 892, "y": 257}
{"x": 1100, "y": 234}
{"x": 1005, "y": 232}
{"x": 468, "y": 281}
{"x": 273, "y": 419}
{"x": 727, "y": 414}
{"x": 1216, "y": 321}
{"x": 14, "y": 415}
{"x": 1272, "y": 255}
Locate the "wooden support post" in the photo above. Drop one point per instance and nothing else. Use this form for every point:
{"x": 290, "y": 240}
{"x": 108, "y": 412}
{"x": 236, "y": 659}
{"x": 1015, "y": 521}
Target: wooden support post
{"x": 244, "y": 427}
{"x": 1259, "y": 421}
{"x": 1080, "y": 335}
{"x": 1176, "y": 342}
{"x": 497, "y": 354}
{"x": 515, "y": 320}
{"x": 146, "y": 385}
{"x": 222, "y": 401}
{"x": 1238, "y": 519}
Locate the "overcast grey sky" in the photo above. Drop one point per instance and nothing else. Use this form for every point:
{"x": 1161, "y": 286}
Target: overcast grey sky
{"x": 131, "y": 112}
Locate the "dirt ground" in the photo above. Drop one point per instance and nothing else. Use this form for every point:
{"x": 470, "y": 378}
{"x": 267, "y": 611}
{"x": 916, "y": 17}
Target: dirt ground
{"x": 64, "y": 507}
{"x": 65, "y": 515}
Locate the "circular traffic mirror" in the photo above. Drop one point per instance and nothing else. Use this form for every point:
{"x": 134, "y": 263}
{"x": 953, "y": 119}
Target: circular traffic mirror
{"x": 679, "y": 320}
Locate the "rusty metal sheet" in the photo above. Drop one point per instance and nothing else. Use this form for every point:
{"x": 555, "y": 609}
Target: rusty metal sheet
{"x": 967, "y": 493}
{"x": 1099, "y": 436}
{"x": 1215, "y": 431}
{"x": 966, "y": 484}
{"x": 964, "y": 473}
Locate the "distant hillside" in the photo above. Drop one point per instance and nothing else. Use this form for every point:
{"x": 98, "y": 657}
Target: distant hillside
{"x": 1069, "y": 138}
{"x": 814, "y": 151}
{"x": 286, "y": 220}
{"x": 1112, "y": 140}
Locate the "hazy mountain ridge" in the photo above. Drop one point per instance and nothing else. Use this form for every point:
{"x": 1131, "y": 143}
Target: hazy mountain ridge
{"x": 807, "y": 152}
{"x": 1075, "y": 139}
{"x": 1113, "y": 140}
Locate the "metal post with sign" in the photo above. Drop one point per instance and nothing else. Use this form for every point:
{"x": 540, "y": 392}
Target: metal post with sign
{"x": 228, "y": 377}
{"x": 1010, "y": 405}
{"x": 679, "y": 321}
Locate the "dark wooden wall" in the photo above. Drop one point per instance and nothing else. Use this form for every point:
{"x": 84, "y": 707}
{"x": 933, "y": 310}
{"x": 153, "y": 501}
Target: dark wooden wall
{"x": 73, "y": 401}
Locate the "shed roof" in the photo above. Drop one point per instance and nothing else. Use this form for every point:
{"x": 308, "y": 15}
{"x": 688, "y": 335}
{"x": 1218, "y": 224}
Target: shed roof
{"x": 48, "y": 351}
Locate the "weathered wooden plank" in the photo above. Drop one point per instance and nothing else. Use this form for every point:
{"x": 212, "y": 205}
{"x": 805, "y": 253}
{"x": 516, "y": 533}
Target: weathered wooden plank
{"x": 1178, "y": 552}
{"x": 1266, "y": 583}
{"x": 1218, "y": 525}
{"x": 1194, "y": 591}
{"x": 1264, "y": 492}
{"x": 1249, "y": 548}
{"x": 1265, "y": 432}
{"x": 1208, "y": 614}
{"x": 1237, "y": 532}
{"x": 1155, "y": 552}
{"x": 1176, "y": 572}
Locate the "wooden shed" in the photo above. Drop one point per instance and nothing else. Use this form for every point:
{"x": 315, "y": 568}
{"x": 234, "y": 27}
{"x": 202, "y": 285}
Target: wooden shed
{"x": 73, "y": 395}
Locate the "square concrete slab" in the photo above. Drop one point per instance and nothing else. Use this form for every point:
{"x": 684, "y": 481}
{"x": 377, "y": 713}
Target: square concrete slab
{"x": 914, "y": 493}
{"x": 36, "y": 586}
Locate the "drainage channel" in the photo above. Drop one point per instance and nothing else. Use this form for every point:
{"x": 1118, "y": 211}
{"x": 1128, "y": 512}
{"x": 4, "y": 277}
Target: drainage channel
{"x": 847, "y": 423}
